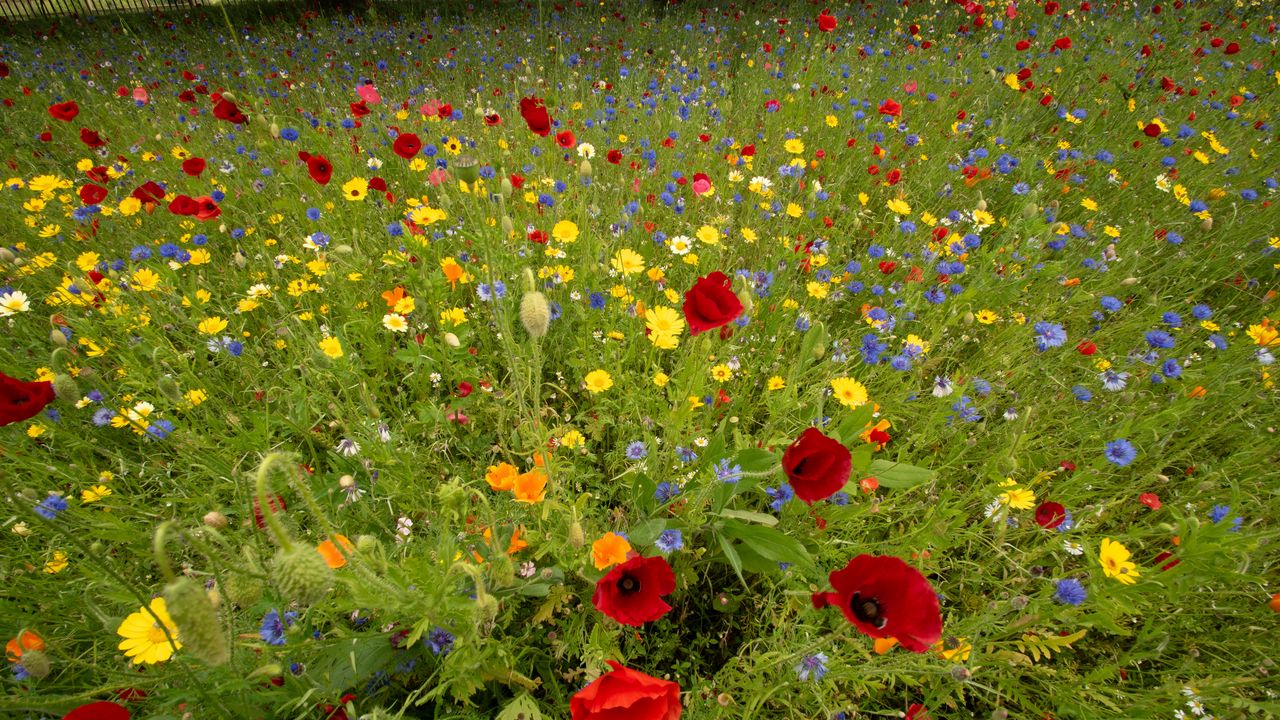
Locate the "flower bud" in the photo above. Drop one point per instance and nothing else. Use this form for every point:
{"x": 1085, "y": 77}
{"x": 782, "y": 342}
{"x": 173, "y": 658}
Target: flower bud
{"x": 215, "y": 520}
{"x": 502, "y": 572}
{"x": 467, "y": 169}
{"x": 343, "y": 249}
{"x": 748, "y": 301}
{"x": 6, "y": 255}
{"x": 169, "y": 388}
{"x": 506, "y": 188}
{"x": 968, "y": 317}
{"x": 451, "y": 340}
{"x": 242, "y": 590}
{"x": 366, "y": 544}
{"x": 275, "y": 131}
{"x": 301, "y": 574}
{"x": 1206, "y": 224}
{"x": 57, "y": 338}
{"x": 960, "y": 673}
{"x": 36, "y": 663}
{"x": 65, "y": 388}
{"x": 982, "y": 203}
{"x": 197, "y": 621}
{"x": 535, "y": 314}
{"x": 584, "y": 169}
{"x": 1129, "y": 281}
{"x": 576, "y": 537}
{"x": 1029, "y": 211}
{"x": 508, "y": 227}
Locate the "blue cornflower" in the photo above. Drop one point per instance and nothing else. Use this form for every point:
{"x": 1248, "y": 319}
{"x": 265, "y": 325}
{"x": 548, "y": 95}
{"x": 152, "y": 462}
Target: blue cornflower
{"x": 636, "y": 450}
{"x": 1069, "y": 592}
{"x": 780, "y": 496}
{"x": 812, "y": 667}
{"x": 1201, "y": 312}
{"x": 666, "y": 492}
{"x": 1172, "y": 319}
{"x": 669, "y": 541}
{"x": 1113, "y": 380}
{"x": 727, "y": 473}
{"x": 597, "y": 301}
{"x": 313, "y": 213}
{"x": 1159, "y": 339}
{"x": 440, "y": 641}
{"x": 272, "y": 630}
{"x": 1171, "y": 369}
{"x": 1110, "y": 304}
{"x": 1121, "y": 452}
{"x": 52, "y": 506}
{"x": 1049, "y": 335}
{"x": 160, "y": 429}
{"x": 1219, "y": 512}
{"x": 103, "y": 416}
{"x": 686, "y": 454}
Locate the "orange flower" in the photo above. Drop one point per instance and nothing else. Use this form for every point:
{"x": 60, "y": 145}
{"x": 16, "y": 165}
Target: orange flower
{"x": 884, "y": 645}
{"x": 26, "y": 640}
{"x": 393, "y": 296}
{"x": 530, "y": 487}
{"x": 609, "y": 550}
{"x": 1275, "y": 602}
{"x": 502, "y": 476}
{"x": 1197, "y": 392}
{"x": 333, "y": 557}
{"x": 517, "y": 543}
{"x": 453, "y": 272}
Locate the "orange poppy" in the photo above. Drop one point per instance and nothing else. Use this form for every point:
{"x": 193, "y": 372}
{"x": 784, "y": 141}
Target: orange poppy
{"x": 333, "y": 556}
{"x": 26, "y": 640}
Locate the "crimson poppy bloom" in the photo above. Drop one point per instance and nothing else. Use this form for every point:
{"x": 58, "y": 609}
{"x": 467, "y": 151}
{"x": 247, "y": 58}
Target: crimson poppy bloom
{"x": 64, "y": 111}
{"x": 224, "y": 109}
{"x": 320, "y": 169}
{"x": 1062, "y": 43}
{"x": 826, "y": 21}
{"x": 184, "y": 205}
{"x": 1086, "y": 347}
{"x": 817, "y": 466}
{"x": 206, "y": 208}
{"x": 1022, "y": 45}
{"x": 493, "y": 119}
{"x": 890, "y": 107}
{"x": 359, "y": 109}
{"x": 535, "y": 115}
{"x": 614, "y": 157}
{"x": 1050, "y": 515}
{"x": 566, "y": 140}
{"x": 626, "y": 693}
{"x": 631, "y": 593}
{"x": 193, "y": 166}
{"x": 92, "y": 194}
{"x": 23, "y": 400}
{"x": 149, "y": 192}
{"x": 274, "y": 503}
{"x": 710, "y": 303}
{"x": 91, "y": 138}
{"x": 102, "y": 710}
{"x": 407, "y": 145}
{"x": 885, "y": 597}
{"x": 1151, "y": 500}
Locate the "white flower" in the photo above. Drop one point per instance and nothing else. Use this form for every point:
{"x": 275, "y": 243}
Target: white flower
{"x": 680, "y": 244}
{"x": 586, "y": 150}
{"x": 13, "y": 302}
{"x": 395, "y": 322}
{"x": 374, "y": 163}
{"x": 1073, "y": 547}
{"x": 347, "y": 447}
{"x": 942, "y": 387}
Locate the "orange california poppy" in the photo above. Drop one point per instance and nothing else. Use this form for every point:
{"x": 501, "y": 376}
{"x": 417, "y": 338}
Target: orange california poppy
{"x": 26, "y": 640}
{"x": 334, "y": 557}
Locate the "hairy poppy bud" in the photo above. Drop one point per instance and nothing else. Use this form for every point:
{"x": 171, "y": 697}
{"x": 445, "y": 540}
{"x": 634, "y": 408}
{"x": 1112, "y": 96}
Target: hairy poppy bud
{"x": 301, "y": 574}
{"x": 36, "y": 663}
{"x": 968, "y": 318}
{"x": 507, "y": 188}
{"x": 576, "y": 538}
{"x": 1206, "y": 224}
{"x": 215, "y": 520}
{"x": 1029, "y": 211}
{"x": 366, "y": 543}
{"x": 6, "y": 255}
{"x": 451, "y": 340}
{"x": 197, "y": 621}
{"x": 57, "y": 338}
{"x": 502, "y": 572}
{"x": 169, "y": 388}
{"x": 65, "y": 388}
{"x": 486, "y": 608}
{"x": 535, "y": 314}
{"x": 960, "y": 673}
{"x": 242, "y": 590}
{"x": 508, "y": 227}
{"x": 343, "y": 249}
{"x": 275, "y": 131}
{"x": 584, "y": 169}
{"x": 982, "y": 203}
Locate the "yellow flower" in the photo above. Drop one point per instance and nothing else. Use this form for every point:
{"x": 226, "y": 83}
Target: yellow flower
{"x": 196, "y": 396}
{"x": 665, "y": 325}
{"x": 1018, "y": 498}
{"x": 1114, "y": 558}
{"x": 212, "y": 325}
{"x": 145, "y": 640}
{"x": 332, "y": 347}
{"x": 849, "y": 392}
{"x": 57, "y": 564}
{"x": 832, "y": 121}
{"x": 572, "y": 439}
{"x": 453, "y": 316}
{"x": 598, "y": 381}
{"x": 953, "y": 648}
{"x": 816, "y": 289}
{"x": 708, "y": 235}
{"x": 1264, "y": 334}
{"x": 627, "y": 261}
{"x": 146, "y": 280}
{"x": 609, "y": 550}
{"x": 566, "y": 231}
{"x": 898, "y": 206}
{"x": 94, "y": 494}
{"x": 795, "y": 146}
{"x": 200, "y": 256}
{"x": 776, "y": 383}
{"x": 35, "y": 430}
{"x": 355, "y": 189}
{"x": 13, "y": 302}
{"x": 721, "y": 373}
{"x": 661, "y": 379}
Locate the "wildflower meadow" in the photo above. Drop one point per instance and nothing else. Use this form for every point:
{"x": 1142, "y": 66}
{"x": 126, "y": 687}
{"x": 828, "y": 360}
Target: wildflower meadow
{"x": 641, "y": 360}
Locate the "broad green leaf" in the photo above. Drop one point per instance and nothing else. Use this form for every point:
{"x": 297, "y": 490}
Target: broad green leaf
{"x": 731, "y": 555}
{"x": 521, "y": 708}
{"x": 851, "y": 426}
{"x": 768, "y": 542}
{"x": 897, "y": 475}
{"x": 749, "y": 516}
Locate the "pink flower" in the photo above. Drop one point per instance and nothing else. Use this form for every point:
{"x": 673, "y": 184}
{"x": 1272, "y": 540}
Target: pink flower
{"x": 437, "y": 176}
{"x": 140, "y": 94}
{"x": 369, "y": 94}
{"x": 457, "y": 416}
{"x": 430, "y": 108}
{"x": 701, "y": 187}
{"x": 909, "y": 87}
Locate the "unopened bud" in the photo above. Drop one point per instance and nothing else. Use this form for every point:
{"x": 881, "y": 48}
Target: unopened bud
{"x": 301, "y": 574}
{"x": 169, "y": 388}
{"x": 1129, "y": 281}
{"x": 57, "y": 338}
{"x": 968, "y": 317}
{"x": 506, "y": 188}
{"x": 1206, "y": 224}
{"x": 215, "y": 520}
{"x": 576, "y": 537}
{"x": 535, "y": 314}
{"x": 451, "y": 340}
{"x": 65, "y": 388}
{"x": 6, "y": 255}
{"x": 584, "y": 169}
{"x": 36, "y": 663}
{"x": 197, "y": 620}
{"x": 343, "y": 249}
{"x": 960, "y": 673}
{"x": 508, "y": 227}
{"x": 275, "y": 131}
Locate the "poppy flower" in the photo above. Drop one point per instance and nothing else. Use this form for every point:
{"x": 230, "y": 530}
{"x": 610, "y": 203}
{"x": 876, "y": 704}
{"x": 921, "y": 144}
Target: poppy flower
{"x": 1151, "y": 500}
{"x": 91, "y": 138}
{"x": 1086, "y": 347}
{"x": 614, "y": 157}
{"x": 319, "y": 168}
{"x": 710, "y": 303}
{"x": 184, "y": 205}
{"x": 64, "y": 111}
{"x": 193, "y": 166}
{"x": 817, "y": 466}
{"x": 535, "y": 115}
{"x": 885, "y": 597}
{"x": 1050, "y": 515}
{"x": 149, "y": 192}
{"x": 1062, "y": 43}
{"x": 206, "y": 208}
{"x": 224, "y": 109}
{"x": 22, "y": 400}
{"x": 890, "y": 107}
{"x": 566, "y": 140}
{"x": 631, "y": 593}
{"x": 626, "y": 693}
{"x": 826, "y": 21}
{"x": 493, "y": 119}
{"x": 407, "y": 145}
{"x": 92, "y": 194}
{"x": 276, "y": 504}
{"x": 101, "y": 710}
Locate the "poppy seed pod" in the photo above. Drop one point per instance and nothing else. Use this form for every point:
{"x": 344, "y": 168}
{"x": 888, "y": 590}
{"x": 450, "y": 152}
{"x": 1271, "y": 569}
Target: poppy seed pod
{"x": 275, "y": 131}
{"x": 215, "y": 520}
{"x": 197, "y": 621}
{"x": 535, "y": 314}
{"x": 467, "y": 169}
{"x": 36, "y": 663}
{"x": 576, "y": 537}
{"x": 301, "y": 574}
{"x": 65, "y": 388}
{"x": 506, "y": 188}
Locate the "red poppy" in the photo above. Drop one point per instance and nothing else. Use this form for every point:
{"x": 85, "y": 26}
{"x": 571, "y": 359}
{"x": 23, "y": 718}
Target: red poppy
{"x": 710, "y": 303}
{"x": 1086, "y": 347}
{"x": 320, "y": 169}
{"x": 149, "y": 192}
{"x": 817, "y": 466}
{"x": 1151, "y": 500}
{"x": 624, "y": 694}
{"x": 193, "y": 166}
{"x": 631, "y": 593}
{"x": 377, "y": 183}
{"x": 98, "y": 174}
{"x": 889, "y": 107}
{"x": 407, "y": 145}
{"x": 276, "y": 504}
{"x": 4, "y": 69}
{"x": 1050, "y": 515}
{"x": 1022, "y": 45}
{"x": 826, "y": 21}
{"x": 206, "y": 208}
{"x": 91, "y": 138}
{"x": 359, "y": 109}
{"x": 517, "y": 181}
{"x": 184, "y": 205}
{"x": 885, "y": 597}
{"x": 224, "y": 109}
{"x": 566, "y": 140}
{"x": 494, "y": 119}
{"x": 614, "y": 157}
{"x": 64, "y": 111}
{"x": 538, "y": 236}
{"x": 535, "y": 115}
{"x": 1151, "y": 130}
{"x": 1062, "y": 43}
{"x": 102, "y": 710}
{"x": 1231, "y": 49}
{"x": 887, "y": 266}
{"x": 92, "y": 194}
{"x": 22, "y": 400}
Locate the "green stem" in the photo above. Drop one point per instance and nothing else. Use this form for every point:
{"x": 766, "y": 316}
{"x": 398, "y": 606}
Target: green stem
{"x": 264, "y": 469}
{"x": 157, "y": 548}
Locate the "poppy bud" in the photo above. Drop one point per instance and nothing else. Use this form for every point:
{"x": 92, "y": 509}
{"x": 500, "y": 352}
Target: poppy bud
{"x": 584, "y": 169}
{"x": 240, "y": 259}
{"x": 343, "y": 249}
{"x": 242, "y": 590}
{"x": 215, "y": 520}
{"x": 65, "y": 388}
{"x": 982, "y": 203}
{"x": 1029, "y": 211}
{"x": 301, "y": 574}
{"x": 968, "y": 318}
{"x": 820, "y": 340}
{"x": 486, "y": 608}
{"x": 452, "y": 497}
{"x": 36, "y": 663}
{"x": 6, "y": 255}
{"x": 169, "y": 388}
{"x": 576, "y": 537}
{"x": 197, "y": 621}
{"x": 502, "y": 572}
{"x": 1129, "y": 281}
{"x": 57, "y": 338}
{"x": 960, "y": 673}
{"x": 508, "y": 227}
{"x": 1206, "y": 224}
{"x": 467, "y": 169}
{"x": 535, "y": 314}
{"x": 228, "y": 97}
{"x": 451, "y": 340}
{"x": 366, "y": 544}
{"x": 507, "y": 188}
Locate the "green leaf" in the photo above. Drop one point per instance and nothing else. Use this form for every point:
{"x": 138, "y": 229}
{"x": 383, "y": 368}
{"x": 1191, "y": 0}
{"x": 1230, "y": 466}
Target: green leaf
{"x": 732, "y": 556}
{"x": 768, "y": 543}
{"x": 749, "y": 516}
{"x": 861, "y": 458}
{"x": 521, "y": 708}
{"x": 647, "y": 532}
{"x": 851, "y": 427}
{"x": 755, "y": 460}
{"x": 899, "y": 475}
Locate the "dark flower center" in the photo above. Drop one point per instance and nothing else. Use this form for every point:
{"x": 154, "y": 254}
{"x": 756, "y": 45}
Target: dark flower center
{"x": 867, "y": 610}
{"x": 628, "y": 584}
